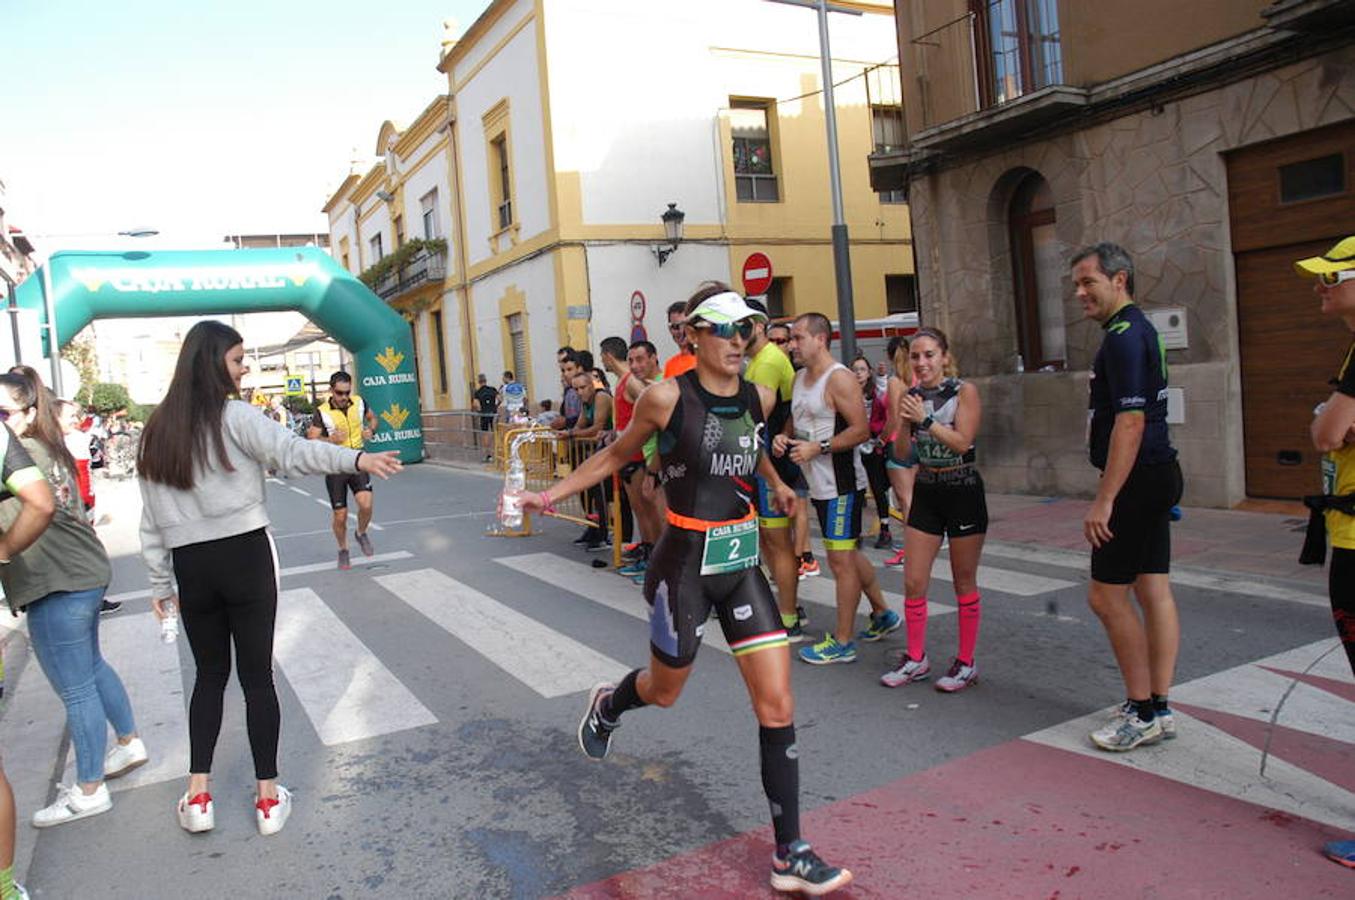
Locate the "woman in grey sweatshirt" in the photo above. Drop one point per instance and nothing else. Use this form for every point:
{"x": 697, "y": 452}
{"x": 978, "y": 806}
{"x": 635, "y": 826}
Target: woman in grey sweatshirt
{"x": 202, "y": 461}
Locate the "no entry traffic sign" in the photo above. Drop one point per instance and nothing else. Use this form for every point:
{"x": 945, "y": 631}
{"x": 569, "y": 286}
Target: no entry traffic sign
{"x": 757, "y": 274}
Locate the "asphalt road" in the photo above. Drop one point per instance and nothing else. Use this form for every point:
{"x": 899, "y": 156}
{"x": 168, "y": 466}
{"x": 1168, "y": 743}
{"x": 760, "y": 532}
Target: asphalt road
{"x": 430, "y": 699}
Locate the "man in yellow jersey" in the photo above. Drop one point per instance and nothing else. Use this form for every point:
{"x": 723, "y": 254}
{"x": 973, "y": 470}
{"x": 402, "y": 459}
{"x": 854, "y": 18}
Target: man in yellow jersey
{"x": 345, "y": 419}
{"x": 769, "y": 366}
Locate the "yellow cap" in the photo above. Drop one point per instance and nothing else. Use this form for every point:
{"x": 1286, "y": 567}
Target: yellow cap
{"x": 1338, "y": 259}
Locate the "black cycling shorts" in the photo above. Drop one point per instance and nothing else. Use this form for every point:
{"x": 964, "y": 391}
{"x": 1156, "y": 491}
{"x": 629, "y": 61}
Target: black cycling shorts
{"x": 338, "y": 487}
{"x": 1140, "y": 521}
{"x": 680, "y": 599}
{"x": 956, "y": 508}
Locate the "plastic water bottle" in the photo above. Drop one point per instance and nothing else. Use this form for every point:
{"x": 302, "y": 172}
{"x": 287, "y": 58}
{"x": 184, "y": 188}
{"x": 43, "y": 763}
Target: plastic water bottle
{"x": 169, "y": 625}
{"x": 513, "y": 482}
{"x": 1020, "y": 364}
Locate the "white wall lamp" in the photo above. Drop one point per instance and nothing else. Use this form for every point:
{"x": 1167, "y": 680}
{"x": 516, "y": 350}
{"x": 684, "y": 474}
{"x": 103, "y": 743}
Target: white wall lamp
{"x": 672, "y": 230}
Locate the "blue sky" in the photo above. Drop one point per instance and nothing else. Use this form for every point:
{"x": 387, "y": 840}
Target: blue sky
{"x": 203, "y": 118}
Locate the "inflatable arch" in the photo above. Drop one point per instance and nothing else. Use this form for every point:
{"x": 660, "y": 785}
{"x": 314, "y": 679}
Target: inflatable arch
{"x": 88, "y": 285}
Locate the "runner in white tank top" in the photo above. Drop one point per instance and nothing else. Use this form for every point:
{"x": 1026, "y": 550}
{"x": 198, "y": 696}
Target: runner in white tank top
{"x": 839, "y": 473}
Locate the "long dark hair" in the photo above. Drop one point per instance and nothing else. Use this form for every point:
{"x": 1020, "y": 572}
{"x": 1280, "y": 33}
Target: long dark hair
{"x": 28, "y": 391}
{"x": 179, "y": 431}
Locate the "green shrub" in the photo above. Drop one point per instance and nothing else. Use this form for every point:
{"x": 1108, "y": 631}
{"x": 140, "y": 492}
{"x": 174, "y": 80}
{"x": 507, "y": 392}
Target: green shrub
{"x": 106, "y": 398}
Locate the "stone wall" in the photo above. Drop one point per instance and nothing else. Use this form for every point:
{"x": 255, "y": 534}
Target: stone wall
{"x": 1154, "y": 181}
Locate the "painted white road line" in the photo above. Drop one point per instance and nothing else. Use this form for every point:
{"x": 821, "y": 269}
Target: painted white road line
{"x": 599, "y": 585}
{"x": 345, "y": 690}
{"x": 1209, "y": 758}
{"x": 823, "y": 592}
{"x": 548, "y": 662}
{"x": 297, "y": 490}
{"x": 151, "y": 673}
{"x": 289, "y": 571}
{"x": 324, "y": 503}
{"x": 272, "y": 480}
{"x": 1183, "y": 575}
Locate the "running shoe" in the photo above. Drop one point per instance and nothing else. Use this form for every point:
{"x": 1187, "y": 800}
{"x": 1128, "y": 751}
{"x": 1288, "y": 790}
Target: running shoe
{"x": 271, "y": 814}
{"x": 809, "y": 568}
{"x": 803, "y": 616}
{"x": 197, "y": 813}
{"x": 123, "y": 758}
{"x": 72, "y": 803}
{"x": 630, "y": 551}
{"x": 109, "y": 606}
{"x": 829, "y": 651}
{"x": 1168, "y": 720}
{"x": 589, "y": 534}
{"x": 595, "y": 736}
{"x": 638, "y": 579}
{"x": 598, "y": 544}
{"x": 1126, "y": 711}
{"x": 884, "y": 541}
{"x": 907, "y": 671}
{"x": 802, "y": 871}
{"x": 1132, "y": 732}
{"x": 365, "y": 543}
{"x": 895, "y": 561}
{"x": 1342, "y": 852}
{"x": 881, "y": 624}
{"x": 634, "y": 568}
{"x": 344, "y": 561}
{"x": 959, "y": 677}
{"x": 796, "y": 633}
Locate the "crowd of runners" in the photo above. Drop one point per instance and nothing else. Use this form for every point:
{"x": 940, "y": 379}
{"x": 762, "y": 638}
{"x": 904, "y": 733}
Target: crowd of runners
{"x": 717, "y": 451}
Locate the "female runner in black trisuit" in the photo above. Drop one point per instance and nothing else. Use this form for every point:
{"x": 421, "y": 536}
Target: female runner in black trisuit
{"x": 710, "y": 423}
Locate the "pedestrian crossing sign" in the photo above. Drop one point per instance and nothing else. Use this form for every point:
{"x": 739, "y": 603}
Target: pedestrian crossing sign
{"x": 296, "y": 385}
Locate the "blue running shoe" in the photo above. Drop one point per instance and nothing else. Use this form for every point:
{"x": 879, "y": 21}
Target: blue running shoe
{"x": 880, "y": 625}
{"x": 635, "y": 568}
{"x": 639, "y": 579}
{"x": 829, "y": 651}
{"x": 1342, "y": 852}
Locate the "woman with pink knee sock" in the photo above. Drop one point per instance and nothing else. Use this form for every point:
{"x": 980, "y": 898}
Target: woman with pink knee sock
{"x": 943, "y": 414}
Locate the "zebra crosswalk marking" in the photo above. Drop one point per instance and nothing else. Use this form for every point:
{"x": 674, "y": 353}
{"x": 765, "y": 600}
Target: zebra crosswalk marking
{"x": 548, "y": 662}
{"x": 347, "y": 693}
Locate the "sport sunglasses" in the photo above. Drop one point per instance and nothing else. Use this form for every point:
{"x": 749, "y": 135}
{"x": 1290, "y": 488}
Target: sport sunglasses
{"x": 1332, "y": 279}
{"x": 743, "y": 328}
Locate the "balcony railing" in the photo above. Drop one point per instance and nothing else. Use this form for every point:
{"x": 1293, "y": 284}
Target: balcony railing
{"x": 422, "y": 267}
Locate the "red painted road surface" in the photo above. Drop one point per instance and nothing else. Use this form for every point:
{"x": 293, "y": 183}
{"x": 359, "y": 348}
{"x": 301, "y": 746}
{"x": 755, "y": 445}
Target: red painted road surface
{"x": 1026, "y": 820}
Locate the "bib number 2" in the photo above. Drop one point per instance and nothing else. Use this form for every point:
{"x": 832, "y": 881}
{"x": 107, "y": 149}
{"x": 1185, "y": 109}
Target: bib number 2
{"x": 730, "y": 548}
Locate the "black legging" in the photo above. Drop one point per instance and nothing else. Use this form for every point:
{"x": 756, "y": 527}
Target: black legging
{"x": 1341, "y": 584}
{"x": 879, "y": 483}
{"x": 228, "y": 590}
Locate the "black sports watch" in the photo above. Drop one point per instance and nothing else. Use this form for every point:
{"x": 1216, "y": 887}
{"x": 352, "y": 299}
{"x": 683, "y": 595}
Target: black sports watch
{"x": 926, "y": 423}
{"x": 825, "y": 447}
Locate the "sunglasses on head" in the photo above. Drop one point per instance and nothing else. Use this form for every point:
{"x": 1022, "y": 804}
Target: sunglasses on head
{"x": 743, "y": 328}
{"x": 1332, "y": 279}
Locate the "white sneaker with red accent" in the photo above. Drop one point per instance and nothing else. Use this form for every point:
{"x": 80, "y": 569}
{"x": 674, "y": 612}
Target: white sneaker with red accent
{"x": 197, "y": 813}
{"x": 271, "y": 814}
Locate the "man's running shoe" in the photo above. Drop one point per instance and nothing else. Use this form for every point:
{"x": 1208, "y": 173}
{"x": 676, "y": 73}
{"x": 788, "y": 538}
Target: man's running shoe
{"x": 796, "y": 633}
{"x": 638, "y": 579}
{"x": 907, "y": 671}
{"x": 959, "y": 677}
{"x": 881, "y": 624}
{"x": 1168, "y": 720}
{"x": 829, "y": 651}
{"x": 365, "y": 543}
{"x": 895, "y": 561}
{"x": 345, "y": 562}
{"x": 598, "y": 544}
{"x": 1132, "y": 732}
{"x": 884, "y": 540}
{"x": 109, "y": 606}
{"x": 1342, "y": 852}
{"x": 802, "y": 871}
{"x": 631, "y": 551}
{"x": 589, "y": 534}
{"x": 803, "y": 616}
{"x": 809, "y": 568}
{"x": 595, "y": 736}
{"x": 634, "y": 568}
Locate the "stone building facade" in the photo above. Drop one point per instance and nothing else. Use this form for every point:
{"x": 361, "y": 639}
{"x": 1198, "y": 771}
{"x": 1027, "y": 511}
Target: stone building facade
{"x": 1150, "y": 159}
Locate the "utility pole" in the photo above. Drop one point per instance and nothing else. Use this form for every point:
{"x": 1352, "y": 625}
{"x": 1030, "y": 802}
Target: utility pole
{"x": 842, "y": 265}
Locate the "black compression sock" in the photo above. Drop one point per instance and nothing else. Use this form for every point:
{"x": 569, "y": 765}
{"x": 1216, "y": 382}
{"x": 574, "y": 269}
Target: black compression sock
{"x": 623, "y": 698}
{"x": 1160, "y": 703}
{"x": 1144, "y": 709}
{"x": 781, "y": 781}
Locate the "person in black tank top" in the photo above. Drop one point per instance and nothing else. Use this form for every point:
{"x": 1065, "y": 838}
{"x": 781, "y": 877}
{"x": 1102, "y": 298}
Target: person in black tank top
{"x": 711, "y": 427}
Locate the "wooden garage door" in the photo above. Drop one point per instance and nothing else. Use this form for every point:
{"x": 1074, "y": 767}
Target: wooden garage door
{"x": 1289, "y": 351}
{"x": 1288, "y": 198}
